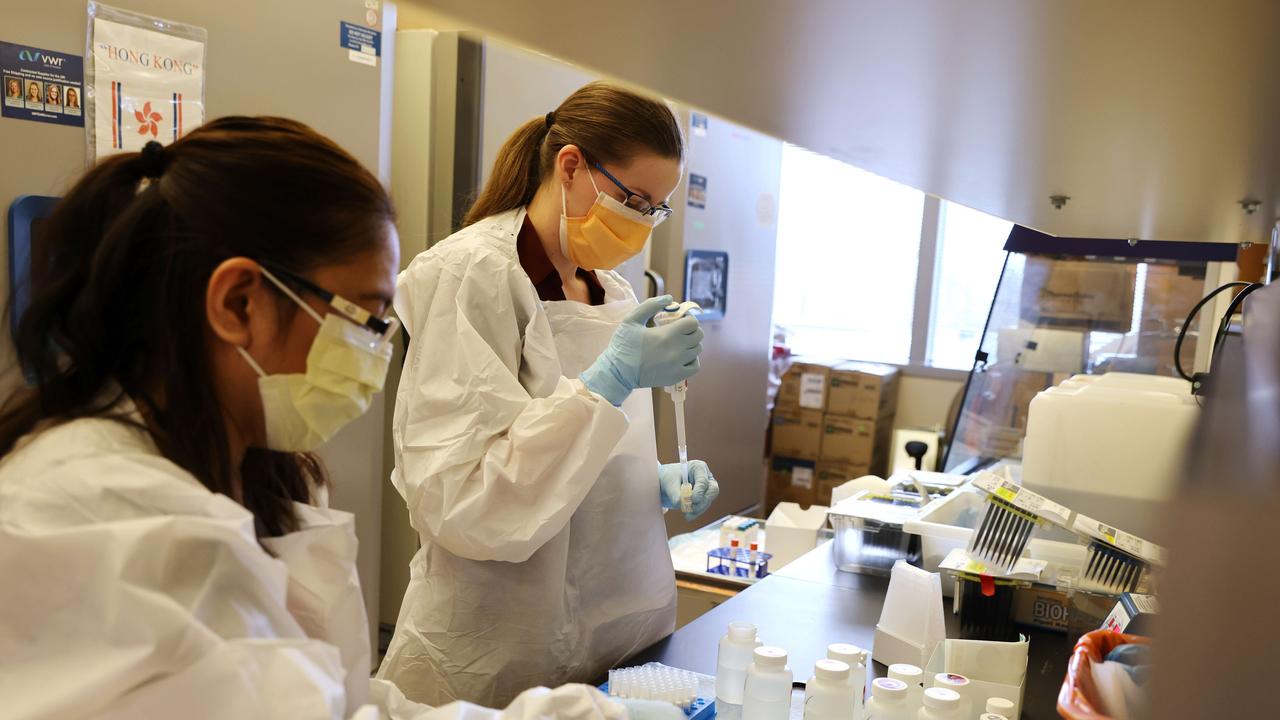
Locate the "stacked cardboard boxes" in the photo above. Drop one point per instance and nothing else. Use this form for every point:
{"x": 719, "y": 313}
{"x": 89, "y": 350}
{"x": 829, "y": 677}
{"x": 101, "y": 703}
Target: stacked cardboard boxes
{"x": 832, "y": 422}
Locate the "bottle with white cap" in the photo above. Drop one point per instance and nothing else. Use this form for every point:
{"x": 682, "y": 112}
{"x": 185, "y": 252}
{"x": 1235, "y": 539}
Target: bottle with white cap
{"x": 888, "y": 701}
{"x": 992, "y": 716}
{"x": 733, "y": 660}
{"x": 829, "y": 694}
{"x": 960, "y": 684}
{"x": 856, "y": 658}
{"x": 941, "y": 704}
{"x": 767, "y": 694}
{"x": 1000, "y": 706}
{"x": 914, "y": 678}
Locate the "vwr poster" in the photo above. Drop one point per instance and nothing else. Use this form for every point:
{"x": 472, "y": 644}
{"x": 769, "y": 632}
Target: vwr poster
{"x": 42, "y": 85}
{"x": 147, "y": 84}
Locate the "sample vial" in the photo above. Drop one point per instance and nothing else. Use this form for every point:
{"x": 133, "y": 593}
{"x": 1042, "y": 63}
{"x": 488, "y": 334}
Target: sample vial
{"x": 941, "y": 704}
{"x": 888, "y": 701}
{"x": 735, "y": 653}
{"x": 767, "y": 694}
{"x": 914, "y": 678}
{"x": 733, "y": 557}
{"x": 958, "y": 683}
{"x": 829, "y": 695}
{"x": 1000, "y": 706}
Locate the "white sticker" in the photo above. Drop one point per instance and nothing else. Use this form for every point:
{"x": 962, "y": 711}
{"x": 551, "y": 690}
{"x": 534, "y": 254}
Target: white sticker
{"x": 802, "y": 477}
{"x": 813, "y": 390}
{"x": 1145, "y": 603}
{"x": 1025, "y": 499}
{"x": 362, "y": 58}
{"x": 1131, "y": 544}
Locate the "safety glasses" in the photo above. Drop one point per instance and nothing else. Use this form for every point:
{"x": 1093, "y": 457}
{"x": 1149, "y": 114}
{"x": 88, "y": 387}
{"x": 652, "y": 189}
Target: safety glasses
{"x": 382, "y": 326}
{"x": 661, "y": 211}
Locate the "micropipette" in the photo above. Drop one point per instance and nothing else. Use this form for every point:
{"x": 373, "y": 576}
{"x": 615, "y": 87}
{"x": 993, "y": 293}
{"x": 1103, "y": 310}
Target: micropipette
{"x": 678, "y": 393}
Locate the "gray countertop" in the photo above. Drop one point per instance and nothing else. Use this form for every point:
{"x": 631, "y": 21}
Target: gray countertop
{"x": 808, "y": 605}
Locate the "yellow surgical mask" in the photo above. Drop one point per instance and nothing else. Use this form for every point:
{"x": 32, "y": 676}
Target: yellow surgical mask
{"x": 607, "y": 236}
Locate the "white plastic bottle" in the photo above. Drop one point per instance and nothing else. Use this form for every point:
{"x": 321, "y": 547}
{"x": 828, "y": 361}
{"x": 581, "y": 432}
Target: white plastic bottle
{"x": 991, "y": 716}
{"x": 941, "y": 704}
{"x": 959, "y": 684}
{"x": 914, "y": 678}
{"x": 829, "y": 695}
{"x": 767, "y": 694}
{"x": 1000, "y": 706}
{"x": 888, "y": 701}
{"x": 856, "y": 658}
{"x": 733, "y": 660}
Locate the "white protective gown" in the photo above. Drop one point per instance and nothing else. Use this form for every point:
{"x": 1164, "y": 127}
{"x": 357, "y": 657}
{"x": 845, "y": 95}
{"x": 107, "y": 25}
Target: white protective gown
{"x": 544, "y": 556}
{"x": 129, "y": 590}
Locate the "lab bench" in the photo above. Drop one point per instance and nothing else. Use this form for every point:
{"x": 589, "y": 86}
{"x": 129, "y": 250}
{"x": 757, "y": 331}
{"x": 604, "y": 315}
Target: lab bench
{"x": 808, "y": 604}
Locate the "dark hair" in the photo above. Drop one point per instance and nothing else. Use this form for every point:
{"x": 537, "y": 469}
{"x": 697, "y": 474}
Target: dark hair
{"x": 608, "y": 123}
{"x": 119, "y": 309}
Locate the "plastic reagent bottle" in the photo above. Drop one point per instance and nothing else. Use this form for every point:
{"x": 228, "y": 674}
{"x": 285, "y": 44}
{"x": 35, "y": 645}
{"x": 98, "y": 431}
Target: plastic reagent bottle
{"x": 888, "y": 701}
{"x": 941, "y": 704}
{"x": 991, "y": 716}
{"x": 856, "y": 658}
{"x": 959, "y": 684}
{"x": 767, "y": 695}
{"x": 736, "y": 649}
{"x": 829, "y": 694}
{"x": 914, "y": 678}
{"x": 1000, "y": 706}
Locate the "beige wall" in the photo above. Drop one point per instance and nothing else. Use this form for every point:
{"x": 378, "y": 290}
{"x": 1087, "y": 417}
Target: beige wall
{"x": 923, "y": 401}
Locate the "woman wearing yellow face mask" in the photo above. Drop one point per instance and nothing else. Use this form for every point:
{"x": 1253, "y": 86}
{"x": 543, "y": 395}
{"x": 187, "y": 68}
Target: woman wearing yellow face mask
{"x": 527, "y": 462}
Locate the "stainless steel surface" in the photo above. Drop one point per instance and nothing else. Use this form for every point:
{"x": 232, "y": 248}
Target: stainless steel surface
{"x": 1156, "y": 117}
{"x": 726, "y": 405}
{"x": 278, "y": 58}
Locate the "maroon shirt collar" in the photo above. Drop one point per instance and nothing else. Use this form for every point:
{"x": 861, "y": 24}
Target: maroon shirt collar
{"x": 536, "y": 264}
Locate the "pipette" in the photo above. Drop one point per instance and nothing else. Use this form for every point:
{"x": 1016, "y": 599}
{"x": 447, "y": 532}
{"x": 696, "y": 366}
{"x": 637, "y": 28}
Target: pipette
{"x": 678, "y": 393}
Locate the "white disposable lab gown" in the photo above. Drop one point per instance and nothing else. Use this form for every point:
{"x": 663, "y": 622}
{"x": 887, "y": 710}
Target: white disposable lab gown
{"x": 544, "y": 556}
{"x": 129, "y": 590}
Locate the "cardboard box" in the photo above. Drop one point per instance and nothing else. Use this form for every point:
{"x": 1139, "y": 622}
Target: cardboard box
{"x": 797, "y": 434}
{"x": 805, "y": 384}
{"x": 791, "y": 480}
{"x": 1085, "y": 294}
{"x": 863, "y": 390}
{"x": 854, "y": 441}
{"x": 792, "y": 531}
{"x": 830, "y": 475}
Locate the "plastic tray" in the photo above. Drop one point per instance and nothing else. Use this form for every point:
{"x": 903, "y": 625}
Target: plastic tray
{"x": 949, "y": 523}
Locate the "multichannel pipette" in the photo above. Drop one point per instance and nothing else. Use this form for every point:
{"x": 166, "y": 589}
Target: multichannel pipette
{"x": 677, "y": 393}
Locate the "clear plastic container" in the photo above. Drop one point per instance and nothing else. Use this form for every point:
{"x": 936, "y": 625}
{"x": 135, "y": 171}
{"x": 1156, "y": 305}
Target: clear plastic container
{"x": 889, "y": 701}
{"x": 767, "y": 693}
{"x": 913, "y": 678}
{"x": 868, "y": 533}
{"x": 829, "y": 695}
{"x": 735, "y": 655}
{"x": 942, "y": 704}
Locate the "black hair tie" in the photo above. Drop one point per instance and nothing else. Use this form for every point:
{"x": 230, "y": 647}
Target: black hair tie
{"x": 551, "y": 119}
{"x": 154, "y": 159}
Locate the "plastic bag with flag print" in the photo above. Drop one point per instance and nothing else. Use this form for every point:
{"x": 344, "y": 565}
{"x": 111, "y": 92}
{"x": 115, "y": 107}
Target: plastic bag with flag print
{"x": 145, "y": 80}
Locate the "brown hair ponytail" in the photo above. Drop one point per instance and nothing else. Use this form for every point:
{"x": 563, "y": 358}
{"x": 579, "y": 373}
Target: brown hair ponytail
{"x": 119, "y": 308}
{"x": 609, "y": 123}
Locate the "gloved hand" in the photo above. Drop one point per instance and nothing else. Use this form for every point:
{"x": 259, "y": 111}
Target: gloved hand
{"x": 705, "y": 487}
{"x": 639, "y": 356}
{"x": 650, "y": 709}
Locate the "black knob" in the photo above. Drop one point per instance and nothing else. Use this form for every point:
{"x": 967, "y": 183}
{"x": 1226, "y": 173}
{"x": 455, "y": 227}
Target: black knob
{"x": 917, "y": 449}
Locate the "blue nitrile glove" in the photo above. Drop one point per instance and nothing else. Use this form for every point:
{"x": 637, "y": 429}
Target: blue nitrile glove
{"x": 639, "y": 356}
{"x": 705, "y": 487}
{"x": 650, "y": 709}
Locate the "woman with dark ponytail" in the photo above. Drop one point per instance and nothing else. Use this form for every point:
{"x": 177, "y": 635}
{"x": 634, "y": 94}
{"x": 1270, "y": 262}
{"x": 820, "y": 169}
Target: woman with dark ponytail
{"x": 528, "y": 464}
{"x": 211, "y": 312}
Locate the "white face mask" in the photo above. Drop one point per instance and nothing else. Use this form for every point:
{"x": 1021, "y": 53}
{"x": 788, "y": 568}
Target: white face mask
{"x": 346, "y": 366}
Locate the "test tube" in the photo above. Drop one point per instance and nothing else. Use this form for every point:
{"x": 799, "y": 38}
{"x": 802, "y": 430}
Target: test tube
{"x": 733, "y": 557}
